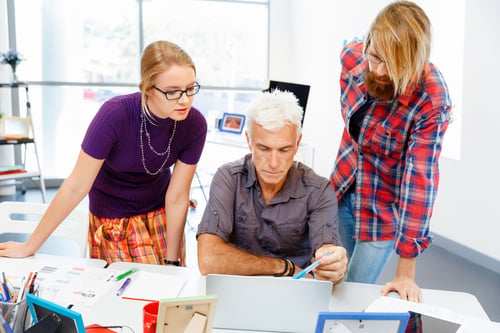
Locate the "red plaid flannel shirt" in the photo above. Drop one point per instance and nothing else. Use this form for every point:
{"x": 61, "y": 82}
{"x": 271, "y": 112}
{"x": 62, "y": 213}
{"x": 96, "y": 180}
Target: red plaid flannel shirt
{"x": 394, "y": 163}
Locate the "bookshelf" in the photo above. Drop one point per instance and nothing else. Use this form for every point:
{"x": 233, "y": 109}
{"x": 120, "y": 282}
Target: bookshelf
{"x": 18, "y": 173}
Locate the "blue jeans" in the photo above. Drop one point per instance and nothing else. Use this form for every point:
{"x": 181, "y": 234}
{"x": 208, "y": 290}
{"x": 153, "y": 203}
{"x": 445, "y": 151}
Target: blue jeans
{"x": 366, "y": 258}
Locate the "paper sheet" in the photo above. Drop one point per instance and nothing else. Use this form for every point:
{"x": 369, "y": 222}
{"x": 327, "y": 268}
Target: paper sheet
{"x": 469, "y": 324}
{"x": 74, "y": 285}
{"x": 153, "y": 286}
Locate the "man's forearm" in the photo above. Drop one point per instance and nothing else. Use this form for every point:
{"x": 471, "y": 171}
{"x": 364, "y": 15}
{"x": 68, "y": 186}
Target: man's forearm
{"x": 218, "y": 257}
{"x": 406, "y": 268}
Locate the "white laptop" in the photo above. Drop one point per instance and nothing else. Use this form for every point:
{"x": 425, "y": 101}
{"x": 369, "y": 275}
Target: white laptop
{"x": 266, "y": 303}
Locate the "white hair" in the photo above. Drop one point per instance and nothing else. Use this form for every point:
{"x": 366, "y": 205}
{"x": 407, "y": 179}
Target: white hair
{"x": 273, "y": 110}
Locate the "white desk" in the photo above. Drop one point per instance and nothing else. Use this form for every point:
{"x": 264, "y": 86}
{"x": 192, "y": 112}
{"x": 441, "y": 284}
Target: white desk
{"x": 113, "y": 310}
{"x": 347, "y": 296}
{"x": 33, "y": 263}
{"x": 350, "y": 296}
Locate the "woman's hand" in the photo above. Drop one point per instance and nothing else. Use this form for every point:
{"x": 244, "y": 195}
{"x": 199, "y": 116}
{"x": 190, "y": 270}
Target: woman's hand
{"x": 15, "y": 250}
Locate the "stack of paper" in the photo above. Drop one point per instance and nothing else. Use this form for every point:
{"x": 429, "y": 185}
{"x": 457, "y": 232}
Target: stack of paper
{"x": 467, "y": 324}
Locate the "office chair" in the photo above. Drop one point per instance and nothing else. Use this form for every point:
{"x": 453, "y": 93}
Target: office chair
{"x": 19, "y": 219}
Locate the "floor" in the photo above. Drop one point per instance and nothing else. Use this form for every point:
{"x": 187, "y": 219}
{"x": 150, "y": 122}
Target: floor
{"x": 437, "y": 268}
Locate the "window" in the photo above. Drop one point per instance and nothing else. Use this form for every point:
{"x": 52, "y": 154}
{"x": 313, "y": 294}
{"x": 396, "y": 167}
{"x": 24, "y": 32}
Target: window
{"x": 79, "y": 54}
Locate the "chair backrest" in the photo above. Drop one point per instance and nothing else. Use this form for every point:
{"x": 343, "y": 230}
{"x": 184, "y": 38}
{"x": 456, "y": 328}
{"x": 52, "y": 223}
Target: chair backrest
{"x": 19, "y": 219}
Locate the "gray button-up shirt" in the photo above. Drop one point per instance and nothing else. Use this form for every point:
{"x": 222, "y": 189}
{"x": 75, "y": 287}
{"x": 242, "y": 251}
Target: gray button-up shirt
{"x": 298, "y": 220}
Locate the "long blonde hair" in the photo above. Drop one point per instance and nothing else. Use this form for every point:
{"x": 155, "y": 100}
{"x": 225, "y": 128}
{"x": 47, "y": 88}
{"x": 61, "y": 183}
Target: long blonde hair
{"x": 156, "y": 58}
{"x": 401, "y": 36}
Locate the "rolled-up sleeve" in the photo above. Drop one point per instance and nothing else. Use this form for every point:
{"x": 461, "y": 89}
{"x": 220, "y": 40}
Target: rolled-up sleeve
{"x": 218, "y": 217}
{"x": 420, "y": 183}
{"x": 323, "y": 228}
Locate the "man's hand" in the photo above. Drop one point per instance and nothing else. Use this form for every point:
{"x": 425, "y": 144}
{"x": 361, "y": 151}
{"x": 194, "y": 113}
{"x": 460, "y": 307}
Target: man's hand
{"x": 404, "y": 281}
{"x": 332, "y": 267}
{"x": 406, "y": 288}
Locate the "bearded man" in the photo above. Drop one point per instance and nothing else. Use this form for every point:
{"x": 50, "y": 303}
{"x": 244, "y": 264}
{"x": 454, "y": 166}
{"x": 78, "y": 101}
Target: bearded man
{"x": 396, "y": 108}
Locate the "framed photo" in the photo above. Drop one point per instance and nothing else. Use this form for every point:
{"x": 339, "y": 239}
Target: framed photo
{"x": 15, "y": 127}
{"x": 362, "y": 322}
{"x": 51, "y": 317}
{"x": 232, "y": 122}
{"x": 186, "y": 314}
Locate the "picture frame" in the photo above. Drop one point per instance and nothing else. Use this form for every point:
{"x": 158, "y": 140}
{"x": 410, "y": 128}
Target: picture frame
{"x": 186, "y": 314}
{"x": 232, "y": 122}
{"x": 15, "y": 127}
{"x": 41, "y": 309}
{"x": 362, "y": 322}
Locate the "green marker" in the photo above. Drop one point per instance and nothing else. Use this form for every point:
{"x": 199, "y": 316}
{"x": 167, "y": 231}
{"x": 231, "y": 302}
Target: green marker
{"x": 127, "y": 273}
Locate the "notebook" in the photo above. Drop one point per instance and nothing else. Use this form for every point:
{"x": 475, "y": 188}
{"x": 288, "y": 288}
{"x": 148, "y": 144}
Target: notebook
{"x": 266, "y": 303}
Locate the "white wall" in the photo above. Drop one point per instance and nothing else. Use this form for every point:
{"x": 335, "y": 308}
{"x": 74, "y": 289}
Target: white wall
{"x": 306, "y": 39}
{"x": 468, "y": 205}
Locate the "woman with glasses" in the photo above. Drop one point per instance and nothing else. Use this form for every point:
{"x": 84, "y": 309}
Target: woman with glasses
{"x": 138, "y": 206}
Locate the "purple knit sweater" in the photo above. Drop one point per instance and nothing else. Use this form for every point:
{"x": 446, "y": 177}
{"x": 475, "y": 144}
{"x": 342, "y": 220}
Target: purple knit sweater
{"x": 122, "y": 187}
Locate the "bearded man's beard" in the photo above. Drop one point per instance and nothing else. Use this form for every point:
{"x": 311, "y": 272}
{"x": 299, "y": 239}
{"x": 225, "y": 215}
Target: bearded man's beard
{"x": 377, "y": 89}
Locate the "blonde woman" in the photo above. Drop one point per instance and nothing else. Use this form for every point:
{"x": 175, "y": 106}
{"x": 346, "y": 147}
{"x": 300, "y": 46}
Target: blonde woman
{"x": 138, "y": 207}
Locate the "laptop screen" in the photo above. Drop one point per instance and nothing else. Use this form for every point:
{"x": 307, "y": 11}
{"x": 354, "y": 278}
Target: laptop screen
{"x": 266, "y": 303}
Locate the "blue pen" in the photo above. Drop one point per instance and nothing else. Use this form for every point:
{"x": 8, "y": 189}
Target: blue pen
{"x": 5, "y": 325}
{"x": 122, "y": 288}
{"x": 5, "y": 288}
{"x": 309, "y": 268}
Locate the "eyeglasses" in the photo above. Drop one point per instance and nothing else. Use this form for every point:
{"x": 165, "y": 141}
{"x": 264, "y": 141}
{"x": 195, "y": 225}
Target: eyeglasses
{"x": 177, "y": 94}
{"x": 374, "y": 59}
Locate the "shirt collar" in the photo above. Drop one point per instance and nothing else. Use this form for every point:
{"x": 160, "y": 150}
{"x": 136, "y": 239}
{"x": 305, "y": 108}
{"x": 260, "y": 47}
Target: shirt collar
{"x": 293, "y": 187}
{"x": 405, "y": 97}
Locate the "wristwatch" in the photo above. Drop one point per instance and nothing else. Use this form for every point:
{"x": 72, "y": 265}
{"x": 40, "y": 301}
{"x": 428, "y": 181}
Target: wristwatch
{"x": 173, "y": 262}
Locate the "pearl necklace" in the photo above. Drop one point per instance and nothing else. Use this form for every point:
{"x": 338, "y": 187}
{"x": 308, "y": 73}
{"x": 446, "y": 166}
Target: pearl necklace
{"x": 143, "y": 128}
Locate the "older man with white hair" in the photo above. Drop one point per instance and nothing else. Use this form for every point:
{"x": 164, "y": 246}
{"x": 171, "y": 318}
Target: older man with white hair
{"x": 268, "y": 214}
